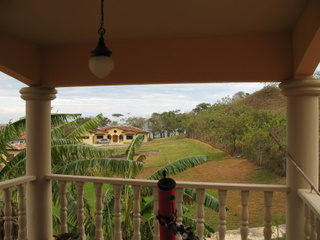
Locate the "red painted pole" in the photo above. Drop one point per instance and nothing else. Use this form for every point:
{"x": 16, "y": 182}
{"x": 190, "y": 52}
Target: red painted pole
{"x": 167, "y": 207}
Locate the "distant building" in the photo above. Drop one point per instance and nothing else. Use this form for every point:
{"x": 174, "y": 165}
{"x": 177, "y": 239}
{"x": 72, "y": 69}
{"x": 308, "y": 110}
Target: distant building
{"x": 115, "y": 134}
{"x": 15, "y": 145}
{"x": 20, "y": 140}
{"x": 14, "y": 149}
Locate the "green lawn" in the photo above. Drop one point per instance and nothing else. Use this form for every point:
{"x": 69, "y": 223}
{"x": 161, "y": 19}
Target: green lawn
{"x": 175, "y": 148}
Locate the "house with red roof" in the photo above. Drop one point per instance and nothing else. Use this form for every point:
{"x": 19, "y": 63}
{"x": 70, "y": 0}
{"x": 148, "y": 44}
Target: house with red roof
{"x": 15, "y": 145}
{"x": 14, "y": 149}
{"x": 114, "y": 135}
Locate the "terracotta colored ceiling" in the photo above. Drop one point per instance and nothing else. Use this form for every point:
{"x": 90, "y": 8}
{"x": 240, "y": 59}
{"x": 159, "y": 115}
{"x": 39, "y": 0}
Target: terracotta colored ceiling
{"x": 163, "y": 36}
{"x": 52, "y": 22}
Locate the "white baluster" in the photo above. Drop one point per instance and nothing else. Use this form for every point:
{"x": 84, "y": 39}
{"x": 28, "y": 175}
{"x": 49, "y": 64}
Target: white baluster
{"x": 136, "y": 212}
{"x": 313, "y": 235}
{"x": 267, "y": 232}
{"x": 179, "y": 199}
{"x": 307, "y": 222}
{"x": 99, "y": 217}
{"x": 117, "y": 212}
{"x": 244, "y": 230}
{"x": 7, "y": 214}
{"x": 22, "y": 233}
{"x": 63, "y": 206}
{"x": 222, "y": 214}
{"x": 80, "y": 211}
{"x": 156, "y": 232}
{"x": 200, "y": 213}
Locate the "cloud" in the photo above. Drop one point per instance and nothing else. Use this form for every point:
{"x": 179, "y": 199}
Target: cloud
{"x": 143, "y": 100}
{"x": 138, "y": 100}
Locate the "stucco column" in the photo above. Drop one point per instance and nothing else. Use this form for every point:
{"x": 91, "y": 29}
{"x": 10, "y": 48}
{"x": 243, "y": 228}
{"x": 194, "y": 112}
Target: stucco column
{"x": 302, "y": 145}
{"x": 39, "y": 195}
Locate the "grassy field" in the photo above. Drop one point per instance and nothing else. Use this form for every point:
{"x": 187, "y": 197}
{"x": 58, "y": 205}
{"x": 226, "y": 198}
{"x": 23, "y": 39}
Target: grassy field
{"x": 222, "y": 168}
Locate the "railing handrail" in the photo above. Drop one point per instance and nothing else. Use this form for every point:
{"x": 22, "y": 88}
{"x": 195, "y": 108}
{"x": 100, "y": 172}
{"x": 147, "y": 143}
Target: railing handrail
{"x": 16, "y": 181}
{"x": 312, "y": 200}
{"x": 180, "y": 184}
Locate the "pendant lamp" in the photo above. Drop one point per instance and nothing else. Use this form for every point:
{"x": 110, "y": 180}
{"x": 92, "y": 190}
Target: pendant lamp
{"x": 101, "y": 62}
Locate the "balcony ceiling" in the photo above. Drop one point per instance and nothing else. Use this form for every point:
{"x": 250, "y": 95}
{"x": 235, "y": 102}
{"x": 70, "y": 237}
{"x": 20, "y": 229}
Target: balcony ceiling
{"x": 76, "y": 21}
{"x": 165, "y": 38}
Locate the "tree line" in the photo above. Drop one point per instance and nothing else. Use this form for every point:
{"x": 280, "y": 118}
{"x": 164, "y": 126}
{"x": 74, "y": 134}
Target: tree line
{"x": 242, "y": 131}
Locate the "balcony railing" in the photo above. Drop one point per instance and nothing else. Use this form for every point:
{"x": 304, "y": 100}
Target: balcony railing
{"x": 312, "y": 214}
{"x": 7, "y": 187}
{"x": 311, "y": 200}
{"x": 200, "y": 187}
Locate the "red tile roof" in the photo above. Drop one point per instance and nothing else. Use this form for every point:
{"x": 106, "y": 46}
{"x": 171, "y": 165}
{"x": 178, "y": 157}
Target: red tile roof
{"x": 16, "y": 147}
{"x": 23, "y": 136}
{"x": 124, "y": 128}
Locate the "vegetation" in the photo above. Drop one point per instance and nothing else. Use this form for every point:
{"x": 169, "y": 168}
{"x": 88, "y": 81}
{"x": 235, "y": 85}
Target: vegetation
{"x": 242, "y": 130}
{"x": 71, "y": 156}
{"x": 241, "y": 125}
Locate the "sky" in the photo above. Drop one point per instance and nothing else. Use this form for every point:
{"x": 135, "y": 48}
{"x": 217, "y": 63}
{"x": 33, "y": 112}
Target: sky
{"x": 133, "y": 100}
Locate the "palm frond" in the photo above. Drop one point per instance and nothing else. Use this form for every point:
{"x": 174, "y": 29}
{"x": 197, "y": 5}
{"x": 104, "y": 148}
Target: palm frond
{"x": 141, "y": 158}
{"x": 15, "y": 167}
{"x": 147, "y": 228}
{"x": 91, "y": 124}
{"x": 135, "y": 169}
{"x": 61, "y": 142}
{"x": 66, "y": 150}
{"x": 179, "y": 166}
{"x": 209, "y": 200}
{"x": 82, "y": 167}
{"x": 134, "y": 145}
{"x": 11, "y": 131}
{"x": 147, "y": 208}
{"x": 58, "y": 132}
{"x": 58, "y": 119}
{"x": 108, "y": 213}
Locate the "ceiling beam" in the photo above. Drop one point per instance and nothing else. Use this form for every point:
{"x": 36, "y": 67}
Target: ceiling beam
{"x": 306, "y": 41}
{"x": 265, "y": 57}
{"x": 20, "y": 59}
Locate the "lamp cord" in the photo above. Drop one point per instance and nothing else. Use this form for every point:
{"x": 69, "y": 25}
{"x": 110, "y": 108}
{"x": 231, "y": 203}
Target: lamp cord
{"x": 101, "y": 30}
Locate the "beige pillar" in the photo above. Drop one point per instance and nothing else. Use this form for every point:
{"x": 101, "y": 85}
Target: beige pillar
{"x": 39, "y": 196}
{"x": 302, "y": 145}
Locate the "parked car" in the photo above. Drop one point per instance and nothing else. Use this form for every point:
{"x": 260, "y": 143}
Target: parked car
{"x": 104, "y": 141}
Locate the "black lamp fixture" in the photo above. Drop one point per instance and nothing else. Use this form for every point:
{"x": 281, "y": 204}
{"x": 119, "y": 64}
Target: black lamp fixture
{"x": 101, "y": 63}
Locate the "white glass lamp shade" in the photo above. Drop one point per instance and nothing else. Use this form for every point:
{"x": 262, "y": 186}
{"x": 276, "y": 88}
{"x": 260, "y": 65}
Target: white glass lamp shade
{"x": 101, "y": 66}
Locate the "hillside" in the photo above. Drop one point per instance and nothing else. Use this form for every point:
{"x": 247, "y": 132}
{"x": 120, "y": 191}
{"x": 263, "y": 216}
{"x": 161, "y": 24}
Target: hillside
{"x": 268, "y": 98}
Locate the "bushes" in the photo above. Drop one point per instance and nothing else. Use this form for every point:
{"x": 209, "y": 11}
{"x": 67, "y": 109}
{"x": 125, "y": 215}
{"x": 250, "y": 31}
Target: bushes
{"x": 243, "y": 130}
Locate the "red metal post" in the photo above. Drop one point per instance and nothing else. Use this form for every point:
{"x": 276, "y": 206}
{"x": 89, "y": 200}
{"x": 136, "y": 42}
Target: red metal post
{"x": 167, "y": 207}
